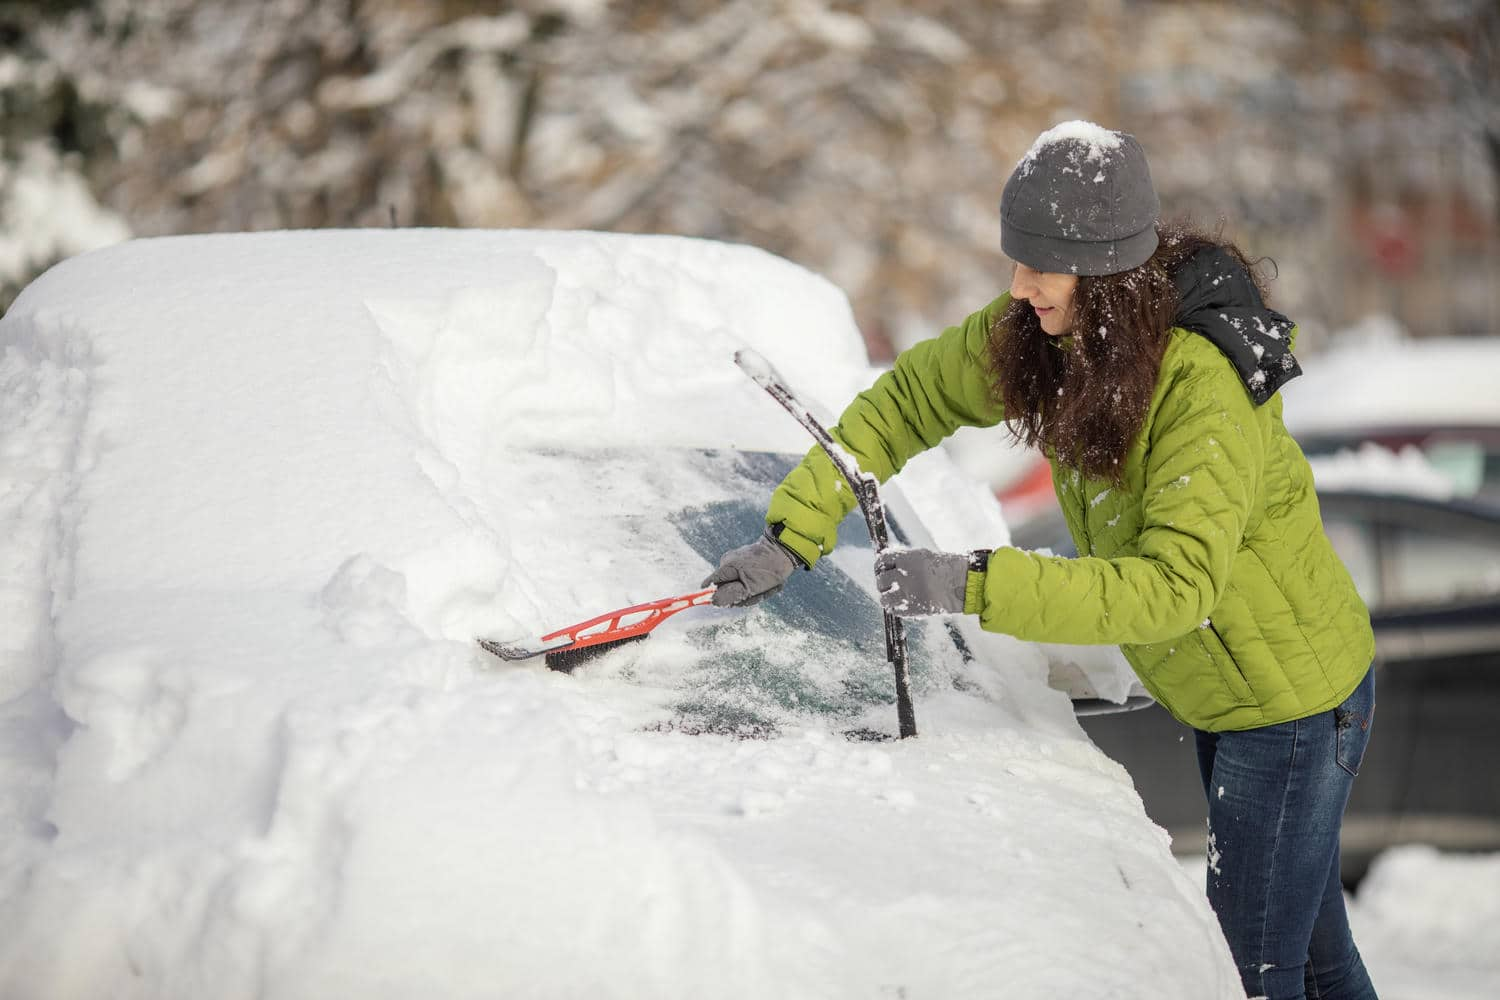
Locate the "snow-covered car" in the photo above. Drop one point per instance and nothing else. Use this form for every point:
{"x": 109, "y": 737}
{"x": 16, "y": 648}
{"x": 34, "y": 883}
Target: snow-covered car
{"x": 1429, "y": 569}
{"x": 1430, "y": 400}
{"x": 261, "y": 493}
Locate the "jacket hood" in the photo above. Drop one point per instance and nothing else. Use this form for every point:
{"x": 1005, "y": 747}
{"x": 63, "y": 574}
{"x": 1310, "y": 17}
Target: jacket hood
{"x": 1220, "y": 302}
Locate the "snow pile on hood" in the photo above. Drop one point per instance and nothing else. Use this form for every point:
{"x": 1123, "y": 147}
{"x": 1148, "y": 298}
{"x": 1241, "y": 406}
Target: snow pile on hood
{"x": 260, "y": 492}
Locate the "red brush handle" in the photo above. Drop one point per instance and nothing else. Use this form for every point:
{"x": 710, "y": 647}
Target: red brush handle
{"x": 612, "y": 627}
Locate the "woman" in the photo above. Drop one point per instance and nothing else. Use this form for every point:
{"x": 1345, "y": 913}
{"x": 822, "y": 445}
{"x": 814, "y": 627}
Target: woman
{"x": 1143, "y": 359}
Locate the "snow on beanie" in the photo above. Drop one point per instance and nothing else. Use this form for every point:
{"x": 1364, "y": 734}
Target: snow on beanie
{"x": 1080, "y": 202}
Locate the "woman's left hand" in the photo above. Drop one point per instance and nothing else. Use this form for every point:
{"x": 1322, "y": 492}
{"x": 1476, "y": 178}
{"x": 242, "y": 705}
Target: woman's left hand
{"x": 921, "y": 582}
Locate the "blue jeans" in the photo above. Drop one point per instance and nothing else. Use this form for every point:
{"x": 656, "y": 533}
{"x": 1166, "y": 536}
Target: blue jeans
{"x": 1276, "y": 800}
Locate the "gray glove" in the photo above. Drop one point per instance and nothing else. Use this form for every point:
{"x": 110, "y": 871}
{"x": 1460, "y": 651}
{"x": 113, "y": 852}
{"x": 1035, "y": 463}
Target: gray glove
{"x": 751, "y": 573}
{"x": 921, "y": 582}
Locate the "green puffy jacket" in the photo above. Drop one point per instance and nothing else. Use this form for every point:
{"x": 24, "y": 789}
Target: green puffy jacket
{"x": 1209, "y": 566}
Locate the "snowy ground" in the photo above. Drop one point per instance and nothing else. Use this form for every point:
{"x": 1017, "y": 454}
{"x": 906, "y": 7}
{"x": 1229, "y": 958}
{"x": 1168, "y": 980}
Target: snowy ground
{"x": 1427, "y": 924}
{"x": 259, "y": 494}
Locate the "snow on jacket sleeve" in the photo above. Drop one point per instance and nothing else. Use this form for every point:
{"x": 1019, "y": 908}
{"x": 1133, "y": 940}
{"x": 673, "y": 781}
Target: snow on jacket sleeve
{"x": 933, "y": 388}
{"x": 1203, "y": 453}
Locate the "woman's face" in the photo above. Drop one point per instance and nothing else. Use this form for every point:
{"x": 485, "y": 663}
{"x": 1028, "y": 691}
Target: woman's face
{"x": 1051, "y": 295}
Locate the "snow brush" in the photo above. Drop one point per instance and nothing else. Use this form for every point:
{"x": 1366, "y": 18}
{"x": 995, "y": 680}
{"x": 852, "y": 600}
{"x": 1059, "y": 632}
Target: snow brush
{"x": 567, "y": 647}
{"x": 867, "y": 493}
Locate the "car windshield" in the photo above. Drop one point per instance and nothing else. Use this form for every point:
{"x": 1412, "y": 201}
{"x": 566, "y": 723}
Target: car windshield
{"x": 813, "y": 653}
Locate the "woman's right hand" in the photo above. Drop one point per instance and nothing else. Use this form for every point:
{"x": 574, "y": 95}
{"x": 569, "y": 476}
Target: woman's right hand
{"x": 751, "y": 573}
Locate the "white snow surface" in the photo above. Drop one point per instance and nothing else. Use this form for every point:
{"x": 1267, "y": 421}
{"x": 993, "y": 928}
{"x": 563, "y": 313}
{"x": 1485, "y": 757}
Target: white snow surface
{"x": 1428, "y": 924}
{"x": 259, "y": 494}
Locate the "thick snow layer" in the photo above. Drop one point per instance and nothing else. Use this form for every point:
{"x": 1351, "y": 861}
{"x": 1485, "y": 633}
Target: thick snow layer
{"x": 259, "y": 495}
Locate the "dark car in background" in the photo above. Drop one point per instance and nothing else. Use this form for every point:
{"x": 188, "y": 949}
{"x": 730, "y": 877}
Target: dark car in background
{"x": 1429, "y": 569}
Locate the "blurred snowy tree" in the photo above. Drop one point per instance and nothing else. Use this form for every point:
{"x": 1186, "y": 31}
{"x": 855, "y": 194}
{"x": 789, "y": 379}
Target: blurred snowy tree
{"x": 50, "y": 130}
{"x": 868, "y": 140}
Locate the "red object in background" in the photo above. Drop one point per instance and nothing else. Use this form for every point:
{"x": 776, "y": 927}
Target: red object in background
{"x": 1029, "y": 495}
{"x": 1390, "y": 235}
{"x": 1395, "y": 250}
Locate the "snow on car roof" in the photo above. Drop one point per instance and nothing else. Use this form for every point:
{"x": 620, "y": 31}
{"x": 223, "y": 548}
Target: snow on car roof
{"x": 535, "y": 323}
{"x": 1396, "y": 383}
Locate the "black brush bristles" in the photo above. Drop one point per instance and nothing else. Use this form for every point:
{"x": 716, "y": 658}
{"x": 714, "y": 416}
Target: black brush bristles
{"x": 564, "y": 660}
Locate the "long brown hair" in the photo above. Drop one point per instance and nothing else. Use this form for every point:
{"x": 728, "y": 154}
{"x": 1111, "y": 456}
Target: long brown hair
{"x": 1085, "y": 396}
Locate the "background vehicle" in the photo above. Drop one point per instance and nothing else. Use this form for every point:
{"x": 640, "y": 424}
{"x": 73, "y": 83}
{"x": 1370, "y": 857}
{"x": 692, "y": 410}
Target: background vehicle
{"x": 1431, "y": 400}
{"x": 1430, "y": 572}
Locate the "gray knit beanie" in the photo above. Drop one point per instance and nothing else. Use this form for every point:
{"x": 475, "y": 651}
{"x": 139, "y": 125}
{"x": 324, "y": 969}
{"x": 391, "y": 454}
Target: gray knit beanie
{"x": 1080, "y": 202}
